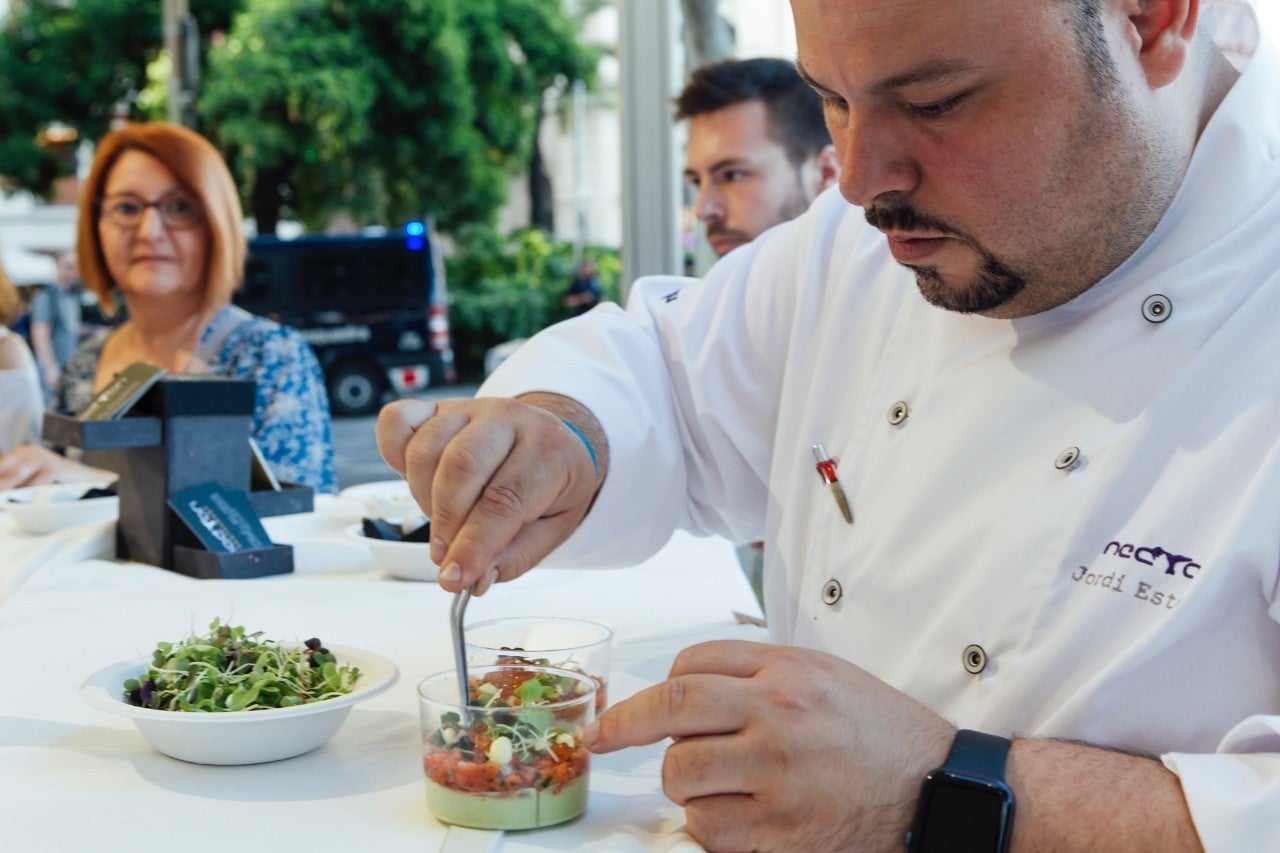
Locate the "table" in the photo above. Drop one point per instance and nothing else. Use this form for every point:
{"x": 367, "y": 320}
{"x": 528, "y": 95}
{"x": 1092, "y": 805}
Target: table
{"x": 73, "y": 778}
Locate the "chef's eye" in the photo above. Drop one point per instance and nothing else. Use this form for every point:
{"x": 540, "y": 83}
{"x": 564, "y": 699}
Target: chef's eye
{"x": 834, "y": 102}
{"x": 938, "y": 109}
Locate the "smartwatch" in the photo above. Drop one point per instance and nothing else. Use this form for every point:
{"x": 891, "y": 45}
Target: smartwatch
{"x": 965, "y": 805}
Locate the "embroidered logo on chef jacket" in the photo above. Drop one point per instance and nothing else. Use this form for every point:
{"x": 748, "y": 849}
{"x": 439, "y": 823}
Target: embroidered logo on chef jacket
{"x": 1150, "y": 574}
{"x": 672, "y": 296}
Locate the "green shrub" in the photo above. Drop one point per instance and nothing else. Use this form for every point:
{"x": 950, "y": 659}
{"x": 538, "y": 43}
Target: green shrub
{"x": 502, "y": 288}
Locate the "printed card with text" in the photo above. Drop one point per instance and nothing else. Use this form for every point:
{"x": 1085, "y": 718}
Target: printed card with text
{"x": 222, "y": 519}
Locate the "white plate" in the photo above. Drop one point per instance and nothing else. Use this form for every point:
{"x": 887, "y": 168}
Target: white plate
{"x": 389, "y": 499}
{"x": 44, "y": 509}
{"x": 240, "y": 737}
{"x": 409, "y": 561}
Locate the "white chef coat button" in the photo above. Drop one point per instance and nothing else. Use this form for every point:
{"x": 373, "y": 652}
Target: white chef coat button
{"x": 832, "y": 591}
{"x": 898, "y": 413}
{"x": 975, "y": 658}
{"x": 1157, "y": 308}
{"x": 1067, "y": 459}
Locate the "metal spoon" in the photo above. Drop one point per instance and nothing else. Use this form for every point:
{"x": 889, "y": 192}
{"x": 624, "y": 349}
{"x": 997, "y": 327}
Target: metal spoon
{"x": 456, "y": 612}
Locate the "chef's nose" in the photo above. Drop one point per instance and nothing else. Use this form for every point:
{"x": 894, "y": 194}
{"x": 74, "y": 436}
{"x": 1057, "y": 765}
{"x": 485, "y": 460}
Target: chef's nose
{"x": 875, "y": 158}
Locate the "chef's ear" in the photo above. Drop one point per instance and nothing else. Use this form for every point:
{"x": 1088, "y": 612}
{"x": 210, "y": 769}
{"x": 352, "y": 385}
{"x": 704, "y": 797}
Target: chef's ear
{"x": 1160, "y": 33}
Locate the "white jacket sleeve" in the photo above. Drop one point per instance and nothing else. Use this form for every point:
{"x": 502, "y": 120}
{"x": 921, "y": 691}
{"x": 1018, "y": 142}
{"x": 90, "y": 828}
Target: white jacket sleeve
{"x": 685, "y": 382}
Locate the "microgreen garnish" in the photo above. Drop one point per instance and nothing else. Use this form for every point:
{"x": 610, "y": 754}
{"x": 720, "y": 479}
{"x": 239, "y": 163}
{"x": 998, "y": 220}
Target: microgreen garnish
{"x": 231, "y": 670}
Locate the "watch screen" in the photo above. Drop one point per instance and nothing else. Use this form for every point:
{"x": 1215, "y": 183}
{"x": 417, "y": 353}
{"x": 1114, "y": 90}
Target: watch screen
{"x": 962, "y": 820}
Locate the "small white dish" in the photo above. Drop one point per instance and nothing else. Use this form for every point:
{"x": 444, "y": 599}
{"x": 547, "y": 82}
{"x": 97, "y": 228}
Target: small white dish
{"x": 409, "y": 561}
{"x": 57, "y": 506}
{"x": 240, "y": 737}
{"x": 389, "y": 499}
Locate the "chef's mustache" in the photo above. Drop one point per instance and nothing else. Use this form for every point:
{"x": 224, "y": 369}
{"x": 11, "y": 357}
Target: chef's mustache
{"x": 895, "y": 214}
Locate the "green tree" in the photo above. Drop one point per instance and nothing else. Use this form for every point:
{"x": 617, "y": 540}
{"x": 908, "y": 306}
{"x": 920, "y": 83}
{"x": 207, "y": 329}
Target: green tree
{"x": 71, "y": 63}
{"x": 519, "y": 50}
{"x": 385, "y": 109}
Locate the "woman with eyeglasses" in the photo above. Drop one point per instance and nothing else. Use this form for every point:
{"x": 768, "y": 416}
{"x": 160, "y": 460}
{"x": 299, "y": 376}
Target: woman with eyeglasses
{"x": 160, "y": 226}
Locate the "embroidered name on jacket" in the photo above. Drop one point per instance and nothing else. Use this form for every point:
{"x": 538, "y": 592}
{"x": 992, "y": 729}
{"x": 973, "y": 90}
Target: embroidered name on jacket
{"x": 1155, "y": 565}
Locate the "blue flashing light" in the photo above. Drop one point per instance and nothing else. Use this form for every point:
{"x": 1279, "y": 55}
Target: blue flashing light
{"x": 415, "y": 244}
{"x": 415, "y": 229}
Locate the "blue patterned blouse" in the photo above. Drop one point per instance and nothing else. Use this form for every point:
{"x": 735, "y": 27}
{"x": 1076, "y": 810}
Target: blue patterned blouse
{"x": 291, "y": 409}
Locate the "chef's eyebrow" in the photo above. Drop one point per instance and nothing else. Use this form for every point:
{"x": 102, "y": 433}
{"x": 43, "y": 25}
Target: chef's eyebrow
{"x": 931, "y": 72}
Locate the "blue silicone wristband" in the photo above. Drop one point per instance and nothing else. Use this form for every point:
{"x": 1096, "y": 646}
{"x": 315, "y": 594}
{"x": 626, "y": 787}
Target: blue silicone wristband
{"x": 595, "y": 466}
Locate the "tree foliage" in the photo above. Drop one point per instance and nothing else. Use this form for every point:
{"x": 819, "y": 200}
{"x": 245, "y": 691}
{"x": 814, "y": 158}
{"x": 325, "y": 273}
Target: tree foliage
{"x": 71, "y": 63}
{"x": 386, "y": 109}
{"x": 508, "y": 287}
{"x": 382, "y": 109}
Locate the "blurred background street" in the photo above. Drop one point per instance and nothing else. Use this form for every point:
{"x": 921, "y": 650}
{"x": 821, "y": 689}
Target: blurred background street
{"x": 356, "y": 451}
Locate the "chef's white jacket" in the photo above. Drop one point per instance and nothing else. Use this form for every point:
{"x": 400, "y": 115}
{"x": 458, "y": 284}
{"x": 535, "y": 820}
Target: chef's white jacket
{"x": 1065, "y": 525}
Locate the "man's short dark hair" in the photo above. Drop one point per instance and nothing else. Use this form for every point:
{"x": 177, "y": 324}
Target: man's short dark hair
{"x": 794, "y": 109}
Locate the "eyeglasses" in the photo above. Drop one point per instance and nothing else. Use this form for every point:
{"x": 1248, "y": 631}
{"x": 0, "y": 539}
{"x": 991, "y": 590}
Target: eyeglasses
{"x": 177, "y": 211}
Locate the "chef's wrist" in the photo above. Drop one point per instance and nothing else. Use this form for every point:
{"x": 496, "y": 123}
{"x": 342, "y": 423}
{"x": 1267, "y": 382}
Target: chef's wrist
{"x": 583, "y": 423}
{"x": 966, "y": 801}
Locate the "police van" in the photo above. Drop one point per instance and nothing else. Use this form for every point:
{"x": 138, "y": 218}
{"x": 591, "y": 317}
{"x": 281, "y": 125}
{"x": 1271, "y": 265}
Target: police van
{"x": 372, "y": 306}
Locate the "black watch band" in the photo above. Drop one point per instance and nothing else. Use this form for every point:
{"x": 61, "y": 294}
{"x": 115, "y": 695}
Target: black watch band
{"x": 978, "y": 754}
{"x": 965, "y": 805}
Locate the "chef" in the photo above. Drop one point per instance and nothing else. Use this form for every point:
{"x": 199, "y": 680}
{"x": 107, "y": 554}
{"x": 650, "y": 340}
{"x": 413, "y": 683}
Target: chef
{"x": 1004, "y": 410}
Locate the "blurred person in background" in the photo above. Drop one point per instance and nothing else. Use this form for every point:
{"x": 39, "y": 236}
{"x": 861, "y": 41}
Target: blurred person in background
{"x": 55, "y": 320}
{"x": 161, "y": 225}
{"x": 21, "y": 400}
{"x": 584, "y": 291}
{"x": 758, "y": 150}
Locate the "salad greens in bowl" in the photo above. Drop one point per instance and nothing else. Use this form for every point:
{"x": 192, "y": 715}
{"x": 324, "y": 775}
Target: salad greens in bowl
{"x": 231, "y": 697}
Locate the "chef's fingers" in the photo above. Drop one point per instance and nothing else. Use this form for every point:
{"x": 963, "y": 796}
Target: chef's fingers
{"x": 685, "y": 706}
{"x": 508, "y": 468}
{"x": 397, "y": 422}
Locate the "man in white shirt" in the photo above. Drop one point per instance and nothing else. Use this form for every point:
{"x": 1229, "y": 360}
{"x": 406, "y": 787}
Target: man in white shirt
{"x": 1064, "y": 484}
{"x": 758, "y": 151}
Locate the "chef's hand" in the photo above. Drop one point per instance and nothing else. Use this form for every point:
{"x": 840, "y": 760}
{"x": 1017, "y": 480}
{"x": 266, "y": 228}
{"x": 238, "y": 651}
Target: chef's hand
{"x": 781, "y": 748}
{"x": 504, "y": 481}
{"x": 34, "y": 465}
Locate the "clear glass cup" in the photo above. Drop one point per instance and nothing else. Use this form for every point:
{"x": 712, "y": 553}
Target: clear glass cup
{"x": 495, "y": 765}
{"x": 579, "y": 645}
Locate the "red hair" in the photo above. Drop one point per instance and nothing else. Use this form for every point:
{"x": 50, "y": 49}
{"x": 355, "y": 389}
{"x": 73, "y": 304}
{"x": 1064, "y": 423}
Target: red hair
{"x": 201, "y": 171}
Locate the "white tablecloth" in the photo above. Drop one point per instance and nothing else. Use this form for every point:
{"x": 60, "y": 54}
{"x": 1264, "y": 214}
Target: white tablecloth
{"x": 21, "y": 554}
{"x": 73, "y": 778}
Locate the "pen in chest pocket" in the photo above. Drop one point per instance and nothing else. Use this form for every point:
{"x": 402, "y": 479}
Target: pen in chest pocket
{"x": 827, "y": 471}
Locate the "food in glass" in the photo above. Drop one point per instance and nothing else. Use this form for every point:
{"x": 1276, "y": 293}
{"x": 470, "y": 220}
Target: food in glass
{"x": 513, "y": 758}
{"x": 579, "y": 645}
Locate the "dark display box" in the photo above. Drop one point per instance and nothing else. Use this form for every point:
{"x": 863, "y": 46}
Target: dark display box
{"x": 183, "y": 432}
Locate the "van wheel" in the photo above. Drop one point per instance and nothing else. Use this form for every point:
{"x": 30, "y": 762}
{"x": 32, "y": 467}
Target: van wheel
{"x": 354, "y": 389}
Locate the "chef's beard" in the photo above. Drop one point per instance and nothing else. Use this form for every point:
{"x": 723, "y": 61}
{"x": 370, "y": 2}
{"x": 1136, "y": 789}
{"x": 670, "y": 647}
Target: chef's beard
{"x": 994, "y": 284}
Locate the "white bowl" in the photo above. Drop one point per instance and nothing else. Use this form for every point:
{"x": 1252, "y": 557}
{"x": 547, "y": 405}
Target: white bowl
{"x": 410, "y": 561}
{"x": 44, "y": 509}
{"x": 389, "y": 499}
{"x": 240, "y": 737}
